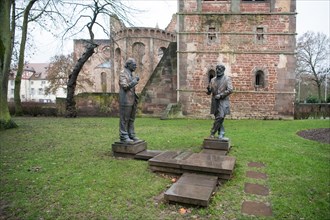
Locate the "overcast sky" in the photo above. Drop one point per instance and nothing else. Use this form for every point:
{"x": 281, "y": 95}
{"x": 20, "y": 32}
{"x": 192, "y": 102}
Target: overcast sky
{"x": 313, "y": 15}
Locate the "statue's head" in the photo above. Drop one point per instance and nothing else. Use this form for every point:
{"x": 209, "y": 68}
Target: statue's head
{"x": 220, "y": 69}
{"x": 130, "y": 64}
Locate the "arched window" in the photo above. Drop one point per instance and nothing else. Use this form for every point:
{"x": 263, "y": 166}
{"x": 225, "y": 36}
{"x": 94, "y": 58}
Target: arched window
{"x": 117, "y": 61}
{"x": 161, "y": 52}
{"x": 138, "y": 50}
{"x": 259, "y": 79}
{"x": 104, "y": 82}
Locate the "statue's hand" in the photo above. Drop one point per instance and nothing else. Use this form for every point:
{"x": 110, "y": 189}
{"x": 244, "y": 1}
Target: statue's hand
{"x": 133, "y": 83}
{"x": 220, "y": 96}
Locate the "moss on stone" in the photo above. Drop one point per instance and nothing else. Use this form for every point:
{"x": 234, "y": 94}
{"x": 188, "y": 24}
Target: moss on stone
{"x": 7, "y": 124}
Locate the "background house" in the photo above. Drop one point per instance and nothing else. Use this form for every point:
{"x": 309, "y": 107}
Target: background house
{"x": 33, "y": 84}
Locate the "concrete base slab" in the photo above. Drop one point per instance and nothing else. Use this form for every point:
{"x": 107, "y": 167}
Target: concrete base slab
{"x": 216, "y": 144}
{"x": 194, "y": 189}
{"x": 147, "y": 154}
{"x": 129, "y": 150}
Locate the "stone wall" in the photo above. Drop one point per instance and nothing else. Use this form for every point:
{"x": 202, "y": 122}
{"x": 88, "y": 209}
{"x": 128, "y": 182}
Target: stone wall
{"x": 254, "y": 40}
{"x": 160, "y": 90}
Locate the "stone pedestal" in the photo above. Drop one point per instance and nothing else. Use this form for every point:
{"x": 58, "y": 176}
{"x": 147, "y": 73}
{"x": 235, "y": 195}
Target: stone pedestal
{"x": 129, "y": 150}
{"x": 216, "y": 144}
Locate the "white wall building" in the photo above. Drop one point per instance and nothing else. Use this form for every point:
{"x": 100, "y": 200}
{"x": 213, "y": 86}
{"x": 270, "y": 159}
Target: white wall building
{"x": 33, "y": 85}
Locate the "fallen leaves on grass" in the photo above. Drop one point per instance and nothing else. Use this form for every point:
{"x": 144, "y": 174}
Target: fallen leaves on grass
{"x": 182, "y": 211}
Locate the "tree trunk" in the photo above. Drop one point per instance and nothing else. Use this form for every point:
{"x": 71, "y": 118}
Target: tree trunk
{"x": 5, "y": 58}
{"x": 71, "y": 111}
{"x": 319, "y": 92}
{"x": 18, "y": 78}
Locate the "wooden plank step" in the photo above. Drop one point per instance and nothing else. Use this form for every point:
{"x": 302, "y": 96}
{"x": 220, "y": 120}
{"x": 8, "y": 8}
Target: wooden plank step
{"x": 194, "y": 162}
{"x": 193, "y": 189}
{"x": 147, "y": 154}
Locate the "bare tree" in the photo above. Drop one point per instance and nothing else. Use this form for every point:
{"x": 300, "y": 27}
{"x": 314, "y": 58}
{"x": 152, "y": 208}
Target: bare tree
{"x": 17, "y": 90}
{"x": 7, "y": 33}
{"x": 58, "y": 73}
{"x": 313, "y": 57}
{"x": 90, "y": 12}
{"x": 27, "y": 18}
{"x": 42, "y": 12}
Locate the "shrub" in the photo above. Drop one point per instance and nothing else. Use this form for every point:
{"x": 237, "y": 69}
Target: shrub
{"x": 312, "y": 99}
{"x": 35, "y": 109}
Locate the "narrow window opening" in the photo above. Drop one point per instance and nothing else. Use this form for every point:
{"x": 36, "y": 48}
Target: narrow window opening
{"x": 259, "y": 79}
{"x": 104, "y": 82}
{"x": 212, "y": 35}
{"x": 260, "y": 34}
{"x": 161, "y": 51}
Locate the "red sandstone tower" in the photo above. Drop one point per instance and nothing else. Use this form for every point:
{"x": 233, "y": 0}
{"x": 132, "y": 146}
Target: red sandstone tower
{"x": 254, "y": 39}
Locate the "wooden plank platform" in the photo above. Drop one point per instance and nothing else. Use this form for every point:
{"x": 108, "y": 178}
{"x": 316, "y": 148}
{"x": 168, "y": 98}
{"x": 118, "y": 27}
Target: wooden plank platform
{"x": 181, "y": 162}
{"x": 147, "y": 154}
{"x": 194, "y": 189}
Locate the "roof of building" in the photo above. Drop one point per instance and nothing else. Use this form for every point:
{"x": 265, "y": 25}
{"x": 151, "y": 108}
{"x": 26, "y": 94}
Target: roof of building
{"x": 34, "y": 71}
{"x": 39, "y": 69}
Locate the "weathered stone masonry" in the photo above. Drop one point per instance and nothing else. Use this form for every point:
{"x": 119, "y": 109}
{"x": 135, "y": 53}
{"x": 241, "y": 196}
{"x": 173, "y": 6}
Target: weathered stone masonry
{"x": 255, "y": 41}
{"x": 145, "y": 45}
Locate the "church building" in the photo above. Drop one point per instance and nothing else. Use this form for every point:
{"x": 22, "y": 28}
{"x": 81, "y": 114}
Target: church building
{"x": 254, "y": 39}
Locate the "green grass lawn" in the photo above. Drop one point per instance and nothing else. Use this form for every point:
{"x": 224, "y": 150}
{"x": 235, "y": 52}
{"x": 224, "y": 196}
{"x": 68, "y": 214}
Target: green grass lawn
{"x": 57, "y": 168}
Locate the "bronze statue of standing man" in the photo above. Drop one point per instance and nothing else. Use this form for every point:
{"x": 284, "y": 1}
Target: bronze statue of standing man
{"x": 128, "y": 102}
{"x": 220, "y": 87}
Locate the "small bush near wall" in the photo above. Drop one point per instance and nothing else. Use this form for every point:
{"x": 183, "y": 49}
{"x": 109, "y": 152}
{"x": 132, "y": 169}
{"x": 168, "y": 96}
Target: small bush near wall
{"x": 35, "y": 109}
{"x": 311, "y": 110}
{"x": 312, "y": 99}
{"x": 92, "y": 104}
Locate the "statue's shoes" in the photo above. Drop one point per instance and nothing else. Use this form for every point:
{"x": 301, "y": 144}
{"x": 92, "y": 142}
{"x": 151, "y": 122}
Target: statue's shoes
{"x": 223, "y": 138}
{"x": 127, "y": 140}
{"x": 134, "y": 138}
